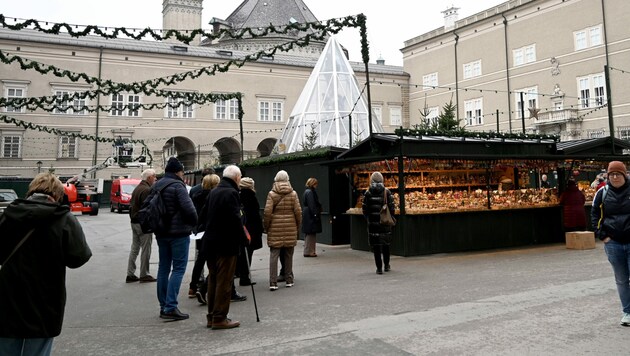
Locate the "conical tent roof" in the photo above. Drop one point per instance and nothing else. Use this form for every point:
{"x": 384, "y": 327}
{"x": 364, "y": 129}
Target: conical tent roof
{"x": 330, "y": 101}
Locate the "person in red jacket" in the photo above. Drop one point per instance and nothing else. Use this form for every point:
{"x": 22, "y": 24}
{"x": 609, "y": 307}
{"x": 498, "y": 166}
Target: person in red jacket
{"x": 572, "y": 201}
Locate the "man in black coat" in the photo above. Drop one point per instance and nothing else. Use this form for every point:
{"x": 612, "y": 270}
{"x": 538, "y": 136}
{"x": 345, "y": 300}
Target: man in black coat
{"x": 174, "y": 240}
{"x": 223, "y": 240}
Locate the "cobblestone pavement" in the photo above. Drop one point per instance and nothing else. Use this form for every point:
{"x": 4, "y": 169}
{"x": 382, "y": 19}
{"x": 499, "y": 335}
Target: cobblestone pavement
{"x": 540, "y": 300}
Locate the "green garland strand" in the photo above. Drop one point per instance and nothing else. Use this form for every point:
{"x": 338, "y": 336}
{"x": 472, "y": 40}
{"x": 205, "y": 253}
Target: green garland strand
{"x": 473, "y": 134}
{"x": 332, "y": 26}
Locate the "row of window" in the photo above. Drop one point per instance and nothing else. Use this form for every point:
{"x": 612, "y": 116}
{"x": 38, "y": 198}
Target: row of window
{"x": 128, "y": 105}
{"x": 591, "y": 89}
{"x": 12, "y": 146}
{"x": 583, "y": 39}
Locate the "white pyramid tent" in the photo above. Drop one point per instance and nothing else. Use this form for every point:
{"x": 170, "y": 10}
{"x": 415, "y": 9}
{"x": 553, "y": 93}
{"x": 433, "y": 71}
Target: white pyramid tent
{"x": 331, "y": 96}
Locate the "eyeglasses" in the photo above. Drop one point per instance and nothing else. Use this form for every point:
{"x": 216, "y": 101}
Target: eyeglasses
{"x": 615, "y": 175}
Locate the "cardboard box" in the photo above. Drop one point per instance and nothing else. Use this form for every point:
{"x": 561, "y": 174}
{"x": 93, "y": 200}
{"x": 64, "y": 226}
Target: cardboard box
{"x": 580, "y": 240}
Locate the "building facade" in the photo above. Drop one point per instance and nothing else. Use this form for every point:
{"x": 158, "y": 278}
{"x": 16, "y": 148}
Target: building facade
{"x": 199, "y": 134}
{"x": 539, "y": 64}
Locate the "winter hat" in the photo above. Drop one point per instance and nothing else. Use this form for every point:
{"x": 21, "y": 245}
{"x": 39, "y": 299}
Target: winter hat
{"x": 616, "y": 166}
{"x": 247, "y": 183}
{"x": 376, "y": 177}
{"x": 173, "y": 165}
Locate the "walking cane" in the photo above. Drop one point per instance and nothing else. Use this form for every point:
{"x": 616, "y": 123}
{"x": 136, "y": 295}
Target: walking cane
{"x": 249, "y": 275}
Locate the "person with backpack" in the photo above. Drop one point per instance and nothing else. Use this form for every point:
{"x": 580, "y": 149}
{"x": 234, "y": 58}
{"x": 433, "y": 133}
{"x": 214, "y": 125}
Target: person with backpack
{"x": 173, "y": 238}
{"x": 610, "y": 217}
{"x": 140, "y": 240}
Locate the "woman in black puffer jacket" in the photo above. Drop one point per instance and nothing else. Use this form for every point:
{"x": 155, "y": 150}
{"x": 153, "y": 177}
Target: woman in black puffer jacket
{"x": 380, "y": 236}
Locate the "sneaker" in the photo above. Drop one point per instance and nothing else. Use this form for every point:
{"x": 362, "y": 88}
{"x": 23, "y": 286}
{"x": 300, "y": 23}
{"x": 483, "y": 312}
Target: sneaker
{"x": 289, "y": 285}
{"x": 131, "y": 279}
{"x": 281, "y": 278}
{"x": 273, "y": 287}
{"x": 174, "y": 314}
{"x": 387, "y": 268}
{"x": 625, "y": 321}
{"x": 192, "y": 293}
{"x": 379, "y": 271}
{"x": 147, "y": 278}
{"x": 201, "y": 298}
{"x": 238, "y": 297}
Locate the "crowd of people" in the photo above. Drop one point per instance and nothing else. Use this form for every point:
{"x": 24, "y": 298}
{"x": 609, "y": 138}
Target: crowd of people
{"x": 225, "y": 212}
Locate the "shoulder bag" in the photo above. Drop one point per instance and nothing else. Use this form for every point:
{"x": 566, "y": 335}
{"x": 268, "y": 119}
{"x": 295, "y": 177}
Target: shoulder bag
{"x": 386, "y": 217}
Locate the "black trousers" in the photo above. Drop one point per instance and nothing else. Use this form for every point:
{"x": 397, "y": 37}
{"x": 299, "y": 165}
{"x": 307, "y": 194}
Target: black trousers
{"x": 378, "y": 251}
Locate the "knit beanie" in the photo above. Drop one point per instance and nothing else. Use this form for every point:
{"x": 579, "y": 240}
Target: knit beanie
{"x": 173, "y": 165}
{"x": 616, "y": 166}
{"x": 247, "y": 183}
{"x": 377, "y": 177}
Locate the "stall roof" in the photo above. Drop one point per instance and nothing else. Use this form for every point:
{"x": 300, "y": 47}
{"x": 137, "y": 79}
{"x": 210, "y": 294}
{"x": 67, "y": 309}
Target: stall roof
{"x": 381, "y": 146}
{"x": 595, "y": 148}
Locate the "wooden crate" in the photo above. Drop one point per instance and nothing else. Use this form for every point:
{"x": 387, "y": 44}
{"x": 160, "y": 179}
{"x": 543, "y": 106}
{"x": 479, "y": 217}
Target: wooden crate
{"x": 580, "y": 240}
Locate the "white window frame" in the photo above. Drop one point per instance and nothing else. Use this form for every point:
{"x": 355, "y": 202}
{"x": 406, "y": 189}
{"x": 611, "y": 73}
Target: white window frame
{"x": 433, "y": 114}
{"x": 395, "y": 116}
{"x": 430, "y": 81}
{"x": 184, "y": 111}
{"x": 377, "y": 112}
{"x": 596, "y": 133}
{"x": 524, "y": 55}
{"x": 270, "y": 110}
{"x": 472, "y": 69}
{"x": 226, "y": 109}
{"x": 14, "y": 148}
{"x": 587, "y": 37}
{"x": 121, "y": 103}
{"x": 15, "y": 90}
{"x": 474, "y": 111}
{"x": 591, "y": 91}
{"x": 71, "y": 149}
{"x": 530, "y": 95}
{"x": 76, "y": 102}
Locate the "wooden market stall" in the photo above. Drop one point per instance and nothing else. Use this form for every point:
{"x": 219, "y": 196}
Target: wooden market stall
{"x": 457, "y": 194}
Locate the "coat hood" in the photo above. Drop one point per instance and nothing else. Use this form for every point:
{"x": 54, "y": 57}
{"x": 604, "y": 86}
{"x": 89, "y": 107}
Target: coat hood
{"x": 282, "y": 188}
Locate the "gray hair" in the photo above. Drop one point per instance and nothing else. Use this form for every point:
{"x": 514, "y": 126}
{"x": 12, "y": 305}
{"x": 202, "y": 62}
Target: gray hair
{"x": 281, "y": 176}
{"x": 147, "y": 173}
{"x": 232, "y": 172}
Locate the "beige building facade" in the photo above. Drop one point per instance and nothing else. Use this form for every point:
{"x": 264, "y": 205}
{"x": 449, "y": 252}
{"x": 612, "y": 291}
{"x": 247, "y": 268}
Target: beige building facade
{"x": 554, "y": 52}
{"x": 199, "y": 134}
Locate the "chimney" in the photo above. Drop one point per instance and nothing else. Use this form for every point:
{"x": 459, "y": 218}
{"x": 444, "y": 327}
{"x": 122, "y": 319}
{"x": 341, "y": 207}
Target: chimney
{"x": 450, "y": 17}
{"x": 182, "y": 15}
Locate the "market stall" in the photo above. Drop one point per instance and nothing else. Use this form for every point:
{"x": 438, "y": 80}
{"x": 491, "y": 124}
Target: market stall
{"x": 457, "y": 194}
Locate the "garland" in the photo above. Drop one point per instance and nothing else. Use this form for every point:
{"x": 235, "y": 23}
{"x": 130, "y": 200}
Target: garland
{"x": 41, "y": 128}
{"x": 332, "y": 26}
{"x": 473, "y": 134}
{"x": 288, "y": 157}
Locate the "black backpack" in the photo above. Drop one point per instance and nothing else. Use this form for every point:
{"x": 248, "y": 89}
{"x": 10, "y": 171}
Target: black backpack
{"x": 153, "y": 211}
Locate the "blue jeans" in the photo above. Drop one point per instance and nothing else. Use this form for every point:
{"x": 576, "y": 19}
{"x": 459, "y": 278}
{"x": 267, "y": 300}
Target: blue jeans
{"x": 619, "y": 257}
{"x": 173, "y": 252}
{"x": 25, "y": 347}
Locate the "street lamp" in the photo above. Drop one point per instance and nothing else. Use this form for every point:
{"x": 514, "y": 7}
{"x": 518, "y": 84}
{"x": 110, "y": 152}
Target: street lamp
{"x": 39, "y": 166}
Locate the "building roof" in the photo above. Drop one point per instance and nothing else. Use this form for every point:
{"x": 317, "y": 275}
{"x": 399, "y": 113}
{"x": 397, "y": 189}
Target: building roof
{"x": 256, "y": 13}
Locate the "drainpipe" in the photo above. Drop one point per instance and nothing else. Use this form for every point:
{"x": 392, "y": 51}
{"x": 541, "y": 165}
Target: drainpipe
{"x": 507, "y": 72}
{"x": 456, "y": 78}
{"x": 98, "y": 111}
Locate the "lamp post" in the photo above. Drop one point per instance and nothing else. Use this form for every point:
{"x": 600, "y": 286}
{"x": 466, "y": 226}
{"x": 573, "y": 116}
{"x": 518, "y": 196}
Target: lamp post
{"x": 39, "y": 167}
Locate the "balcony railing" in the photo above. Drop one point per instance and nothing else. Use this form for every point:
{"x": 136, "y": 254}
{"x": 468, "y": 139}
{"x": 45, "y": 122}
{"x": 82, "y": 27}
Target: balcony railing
{"x": 556, "y": 117}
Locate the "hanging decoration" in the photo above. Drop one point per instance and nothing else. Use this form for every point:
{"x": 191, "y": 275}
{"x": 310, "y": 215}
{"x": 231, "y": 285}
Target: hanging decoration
{"x": 332, "y": 26}
{"x": 416, "y": 131}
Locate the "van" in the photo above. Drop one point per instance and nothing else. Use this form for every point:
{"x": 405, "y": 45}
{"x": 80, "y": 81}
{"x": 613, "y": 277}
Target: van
{"x": 120, "y": 197}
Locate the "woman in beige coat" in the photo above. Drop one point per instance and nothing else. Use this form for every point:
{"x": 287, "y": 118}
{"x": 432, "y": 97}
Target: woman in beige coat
{"x": 282, "y": 220}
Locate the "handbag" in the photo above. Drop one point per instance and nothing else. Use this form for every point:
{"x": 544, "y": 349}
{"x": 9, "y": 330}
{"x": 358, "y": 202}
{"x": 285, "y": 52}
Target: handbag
{"x": 386, "y": 217}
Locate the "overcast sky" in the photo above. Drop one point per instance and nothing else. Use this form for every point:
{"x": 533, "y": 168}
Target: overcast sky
{"x": 389, "y": 22}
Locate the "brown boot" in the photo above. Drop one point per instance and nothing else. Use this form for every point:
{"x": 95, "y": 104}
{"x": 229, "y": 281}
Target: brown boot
{"x": 209, "y": 318}
{"x": 225, "y": 324}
